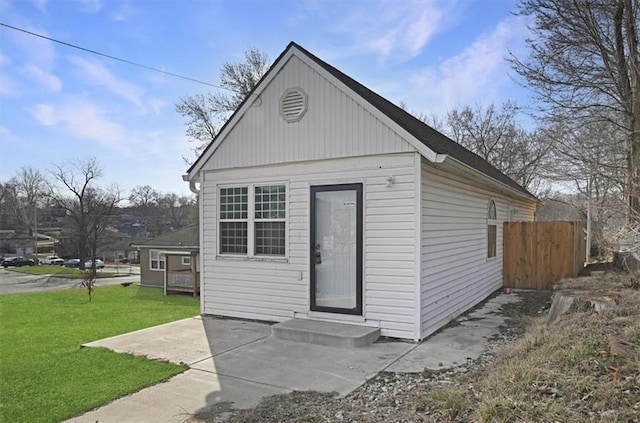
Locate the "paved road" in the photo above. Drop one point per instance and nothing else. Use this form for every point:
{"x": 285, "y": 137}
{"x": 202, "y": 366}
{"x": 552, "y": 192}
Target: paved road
{"x": 12, "y": 282}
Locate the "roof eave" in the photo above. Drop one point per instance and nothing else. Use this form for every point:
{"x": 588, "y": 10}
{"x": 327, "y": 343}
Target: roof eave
{"x": 240, "y": 111}
{"x": 179, "y": 247}
{"x": 446, "y": 159}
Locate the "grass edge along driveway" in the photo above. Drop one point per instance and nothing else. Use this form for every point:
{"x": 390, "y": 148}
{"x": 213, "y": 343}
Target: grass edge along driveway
{"x": 61, "y": 271}
{"x": 44, "y": 374}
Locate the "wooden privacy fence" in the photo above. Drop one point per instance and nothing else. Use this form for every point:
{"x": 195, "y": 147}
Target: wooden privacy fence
{"x": 539, "y": 254}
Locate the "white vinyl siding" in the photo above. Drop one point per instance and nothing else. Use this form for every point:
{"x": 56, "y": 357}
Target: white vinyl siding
{"x": 277, "y": 290}
{"x": 333, "y": 126}
{"x": 455, "y": 271}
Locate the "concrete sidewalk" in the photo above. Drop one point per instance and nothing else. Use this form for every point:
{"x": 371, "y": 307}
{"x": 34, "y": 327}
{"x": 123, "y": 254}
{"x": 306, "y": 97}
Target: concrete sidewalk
{"x": 237, "y": 363}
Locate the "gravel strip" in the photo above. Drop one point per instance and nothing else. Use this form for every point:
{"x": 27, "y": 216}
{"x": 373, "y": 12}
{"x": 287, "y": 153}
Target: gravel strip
{"x": 388, "y": 397}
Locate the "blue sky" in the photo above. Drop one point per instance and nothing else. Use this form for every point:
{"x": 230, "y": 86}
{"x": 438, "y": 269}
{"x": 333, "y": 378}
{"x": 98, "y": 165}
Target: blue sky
{"x": 58, "y": 104}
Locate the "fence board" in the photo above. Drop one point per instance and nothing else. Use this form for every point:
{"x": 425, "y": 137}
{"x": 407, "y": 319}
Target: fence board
{"x": 539, "y": 254}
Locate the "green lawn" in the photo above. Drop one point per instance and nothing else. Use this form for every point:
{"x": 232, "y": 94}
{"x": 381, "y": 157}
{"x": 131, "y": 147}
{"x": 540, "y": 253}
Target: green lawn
{"x": 67, "y": 272}
{"x": 44, "y": 374}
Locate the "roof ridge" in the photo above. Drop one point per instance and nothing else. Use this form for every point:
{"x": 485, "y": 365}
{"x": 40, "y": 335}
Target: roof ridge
{"x": 423, "y": 132}
{"x": 428, "y": 136}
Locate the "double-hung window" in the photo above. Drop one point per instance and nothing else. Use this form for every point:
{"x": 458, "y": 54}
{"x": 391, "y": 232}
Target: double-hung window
{"x": 253, "y": 220}
{"x": 156, "y": 260}
{"x": 234, "y": 212}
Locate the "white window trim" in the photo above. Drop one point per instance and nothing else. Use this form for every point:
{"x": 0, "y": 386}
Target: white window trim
{"x": 251, "y": 222}
{"x": 161, "y": 259}
{"x": 185, "y": 260}
{"x": 491, "y": 222}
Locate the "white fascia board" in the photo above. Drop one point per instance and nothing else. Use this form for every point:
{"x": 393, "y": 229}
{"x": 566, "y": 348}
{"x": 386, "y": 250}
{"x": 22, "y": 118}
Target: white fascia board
{"x": 160, "y": 247}
{"x": 239, "y": 114}
{"x": 177, "y": 253}
{"x": 455, "y": 163}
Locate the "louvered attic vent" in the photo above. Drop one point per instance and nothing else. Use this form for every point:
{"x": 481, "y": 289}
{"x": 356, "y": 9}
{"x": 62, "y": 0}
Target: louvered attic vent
{"x": 293, "y": 104}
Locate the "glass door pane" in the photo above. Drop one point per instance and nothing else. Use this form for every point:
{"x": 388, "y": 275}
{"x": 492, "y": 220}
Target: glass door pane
{"x": 335, "y": 253}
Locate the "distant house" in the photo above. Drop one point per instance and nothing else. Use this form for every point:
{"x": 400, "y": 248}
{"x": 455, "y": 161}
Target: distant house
{"x": 171, "y": 260}
{"x": 21, "y": 243}
{"x": 320, "y": 199}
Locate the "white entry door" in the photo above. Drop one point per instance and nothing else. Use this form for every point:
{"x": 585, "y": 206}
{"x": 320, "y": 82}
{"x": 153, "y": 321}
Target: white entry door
{"x": 336, "y": 248}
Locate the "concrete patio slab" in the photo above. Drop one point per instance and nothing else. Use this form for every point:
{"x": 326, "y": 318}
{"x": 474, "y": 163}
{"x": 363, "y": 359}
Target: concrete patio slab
{"x": 179, "y": 398}
{"x": 298, "y": 366}
{"x": 456, "y": 344}
{"x": 186, "y": 341}
{"x": 238, "y": 362}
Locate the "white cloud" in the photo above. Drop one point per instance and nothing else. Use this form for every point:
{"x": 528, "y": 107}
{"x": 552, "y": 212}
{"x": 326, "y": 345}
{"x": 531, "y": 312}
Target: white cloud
{"x": 41, "y": 5}
{"x": 393, "y": 30}
{"x": 474, "y": 75}
{"x": 6, "y": 136}
{"x": 157, "y": 105}
{"x": 91, "y": 6}
{"x": 100, "y": 75}
{"x": 9, "y": 87}
{"x": 47, "y": 80}
{"x": 84, "y": 120}
{"x": 38, "y": 51}
{"x": 124, "y": 13}
{"x": 44, "y": 113}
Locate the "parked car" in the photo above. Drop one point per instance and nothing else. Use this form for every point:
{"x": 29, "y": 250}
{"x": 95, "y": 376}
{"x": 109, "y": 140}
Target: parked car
{"x": 55, "y": 260}
{"x": 99, "y": 264}
{"x": 74, "y": 263}
{"x": 17, "y": 262}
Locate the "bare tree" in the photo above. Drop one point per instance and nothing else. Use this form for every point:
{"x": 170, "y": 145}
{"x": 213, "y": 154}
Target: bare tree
{"x": 19, "y": 201}
{"x": 22, "y": 193}
{"x": 88, "y": 208}
{"x": 591, "y": 157}
{"x": 432, "y": 119}
{"x": 584, "y": 65}
{"x": 144, "y": 197}
{"x": 177, "y": 208}
{"x": 494, "y": 134}
{"x": 11, "y": 216}
{"x": 205, "y": 113}
{"x": 30, "y": 185}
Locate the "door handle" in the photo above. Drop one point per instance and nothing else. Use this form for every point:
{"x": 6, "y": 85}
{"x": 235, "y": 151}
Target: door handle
{"x": 317, "y": 255}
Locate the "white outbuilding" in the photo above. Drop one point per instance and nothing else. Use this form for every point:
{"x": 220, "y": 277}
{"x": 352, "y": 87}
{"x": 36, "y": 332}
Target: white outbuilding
{"x": 321, "y": 200}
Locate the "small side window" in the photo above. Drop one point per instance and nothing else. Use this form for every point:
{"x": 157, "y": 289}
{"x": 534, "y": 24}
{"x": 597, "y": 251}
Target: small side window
{"x": 186, "y": 261}
{"x": 492, "y": 230}
{"x": 156, "y": 260}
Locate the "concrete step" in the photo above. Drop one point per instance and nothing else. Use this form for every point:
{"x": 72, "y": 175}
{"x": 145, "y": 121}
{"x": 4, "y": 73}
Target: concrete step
{"x": 324, "y": 333}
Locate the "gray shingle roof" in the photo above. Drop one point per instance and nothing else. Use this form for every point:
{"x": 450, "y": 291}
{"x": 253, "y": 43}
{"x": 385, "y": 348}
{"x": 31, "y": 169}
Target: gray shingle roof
{"x": 186, "y": 237}
{"x": 434, "y": 140}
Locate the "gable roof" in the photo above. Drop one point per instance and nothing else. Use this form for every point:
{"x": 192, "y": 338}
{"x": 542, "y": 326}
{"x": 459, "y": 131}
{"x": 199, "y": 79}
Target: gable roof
{"x": 186, "y": 237}
{"x": 435, "y": 141}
